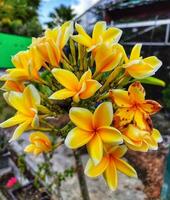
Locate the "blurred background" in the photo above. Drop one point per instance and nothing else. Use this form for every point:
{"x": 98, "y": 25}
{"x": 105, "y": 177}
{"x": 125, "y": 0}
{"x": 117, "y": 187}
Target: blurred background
{"x": 142, "y": 21}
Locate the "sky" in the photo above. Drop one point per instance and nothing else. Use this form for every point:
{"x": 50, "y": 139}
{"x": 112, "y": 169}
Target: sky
{"x": 48, "y": 5}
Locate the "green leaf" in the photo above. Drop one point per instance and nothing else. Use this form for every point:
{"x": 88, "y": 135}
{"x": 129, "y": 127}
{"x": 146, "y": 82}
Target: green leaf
{"x": 152, "y": 81}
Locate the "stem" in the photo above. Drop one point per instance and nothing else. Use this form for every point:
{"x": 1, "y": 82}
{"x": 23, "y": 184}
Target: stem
{"x": 81, "y": 177}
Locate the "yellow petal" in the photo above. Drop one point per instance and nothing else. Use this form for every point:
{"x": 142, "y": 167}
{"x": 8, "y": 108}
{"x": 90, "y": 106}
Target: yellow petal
{"x": 120, "y": 97}
{"x": 66, "y": 78}
{"x": 140, "y": 70}
{"x": 110, "y": 176}
{"x": 103, "y": 115}
{"x": 156, "y": 135}
{"x": 125, "y": 168}
{"x": 151, "y": 107}
{"x": 142, "y": 120}
{"x": 77, "y": 138}
{"x": 20, "y": 130}
{"x": 66, "y": 31}
{"x": 19, "y": 74}
{"x": 95, "y": 149}
{"x": 154, "y": 62}
{"x": 106, "y": 59}
{"x": 86, "y": 76}
{"x": 122, "y": 117}
{"x": 16, "y": 100}
{"x": 31, "y": 96}
{"x": 37, "y": 151}
{"x": 151, "y": 142}
{"x": 98, "y": 30}
{"x": 135, "y": 54}
{"x": 109, "y": 134}
{"x": 81, "y": 117}
{"x": 30, "y": 148}
{"x": 17, "y": 119}
{"x": 136, "y": 92}
{"x": 62, "y": 94}
{"x": 119, "y": 151}
{"x": 91, "y": 87}
{"x": 112, "y": 35}
{"x": 92, "y": 170}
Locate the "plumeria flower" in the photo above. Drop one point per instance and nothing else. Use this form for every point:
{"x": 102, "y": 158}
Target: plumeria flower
{"x": 40, "y": 143}
{"x": 83, "y": 89}
{"x": 27, "y": 65}
{"x": 139, "y": 67}
{"x": 140, "y": 140}
{"x": 132, "y": 107}
{"x": 50, "y": 46}
{"x": 109, "y": 165}
{"x": 100, "y": 35}
{"x": 26, "y": 104}
{"x": 107, "y": 57}
{"x": 92, "y": 130}
{"x": 17, "y": 86}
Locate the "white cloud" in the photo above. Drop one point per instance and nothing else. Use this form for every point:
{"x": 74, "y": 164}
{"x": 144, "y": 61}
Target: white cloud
{"x": 83, "y": 5}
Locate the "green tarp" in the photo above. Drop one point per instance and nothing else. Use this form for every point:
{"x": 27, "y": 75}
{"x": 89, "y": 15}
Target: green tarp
{"x": 9, "y": 46}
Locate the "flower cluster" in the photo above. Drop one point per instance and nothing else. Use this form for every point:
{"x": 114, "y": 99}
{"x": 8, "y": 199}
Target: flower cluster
{"x": 84, "y": 77}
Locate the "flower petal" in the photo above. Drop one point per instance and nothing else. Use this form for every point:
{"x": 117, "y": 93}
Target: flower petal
{"x": 91, "y": 87}
{"x": 30, "y": 148}
{"x": 143, "y": 120}
{"x": 109, "y": 134}
{"x": 98, "y": 30}
{"x": 120, "y": 97}
{"x": 103, "y": 115}
{"x": 125, "y": 168}
{"x": 111, "y": 35}
{"x": 92, "y": 170}
{"x": 140, "y": 70}
{"x": 17, "y": 119}
{"x": 66, "y": 78}
{"x": 81, "y": 117}
{"x": 156, "y": 135}
{"x": 119, "y": 151}
{"x": 95, "y": 149}
{"x": 62, "y": 94}
{"x": 77, "y": 138}
{"x": 151, "y": 107}
{"x": 110, "y": 176}
{"x": 122, "y": 117}
{"x": 20, "y": 130}
{"x": 135, "y": 54}
{"x": 136, "y": 92}
{"x": 31, "y": 96}
{"x": 154, "y": 62}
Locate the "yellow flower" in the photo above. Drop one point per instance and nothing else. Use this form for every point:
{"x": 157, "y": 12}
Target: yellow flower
{"x": 139, "y": 68}
{"x": 140, "y": 140}
{"x": 27, "y": 65}
{"x": 40, "y": 143}
{"x": 132, "y": 107}
{"x": 50, "y": 46}
{"x": 107, "y": 57}
{"x": 17, "y": 86}
{"x": 26, "y": 104}
{"x": 100, "y": 35}
{"x": 83, "y": 89}
{"x": 92, "y": 130}
{"x": 108, "y": 166}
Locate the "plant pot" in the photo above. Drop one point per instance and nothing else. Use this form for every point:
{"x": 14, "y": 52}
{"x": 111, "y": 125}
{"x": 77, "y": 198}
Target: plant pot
{"x": 4, "y": 159}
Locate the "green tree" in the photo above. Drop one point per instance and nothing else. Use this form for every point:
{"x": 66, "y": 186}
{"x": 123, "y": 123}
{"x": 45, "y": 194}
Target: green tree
{"x": 20, "y": 17}
{"x": 60, "y": 15}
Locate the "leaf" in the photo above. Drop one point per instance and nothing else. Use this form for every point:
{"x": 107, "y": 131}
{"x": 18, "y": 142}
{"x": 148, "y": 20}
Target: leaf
{"x": 152, "y": 81}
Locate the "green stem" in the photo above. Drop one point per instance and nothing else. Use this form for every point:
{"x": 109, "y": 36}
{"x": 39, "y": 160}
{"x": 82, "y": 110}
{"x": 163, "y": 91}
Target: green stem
{"x": 81, "y": 177}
